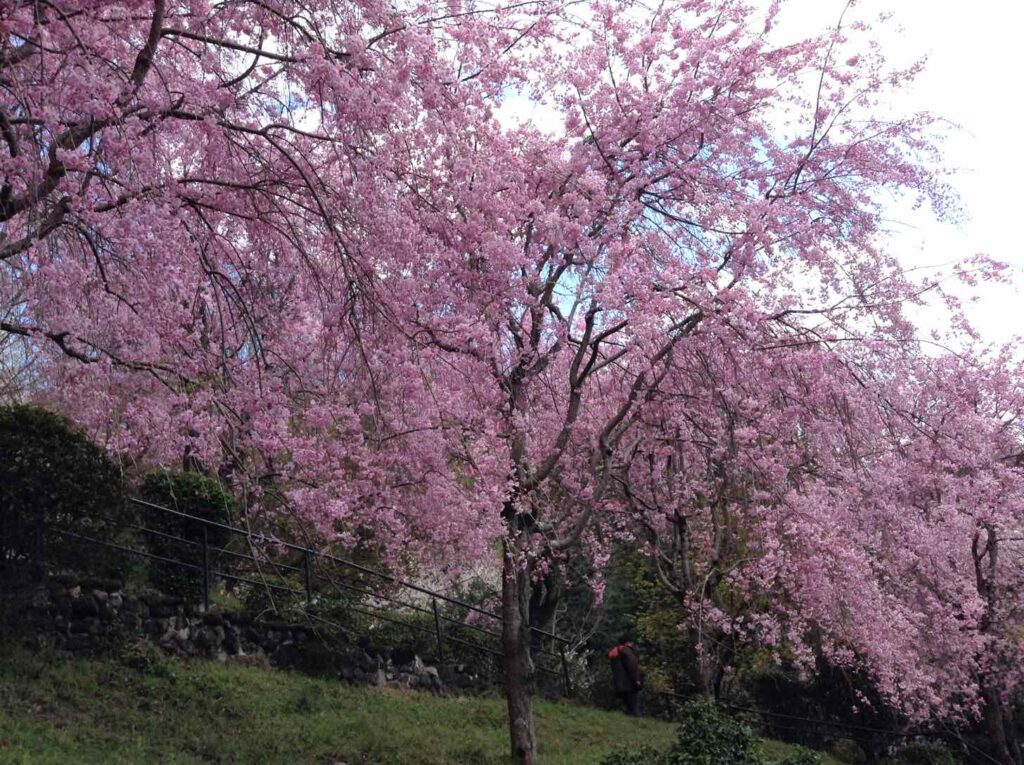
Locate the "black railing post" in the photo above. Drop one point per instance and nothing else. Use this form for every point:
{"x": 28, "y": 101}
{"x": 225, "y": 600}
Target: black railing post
{"x": 308, "y": 570}
{"x": 206, "y": 569}
{"x": 565, "y": 670}
{"x": 437, "y": 629}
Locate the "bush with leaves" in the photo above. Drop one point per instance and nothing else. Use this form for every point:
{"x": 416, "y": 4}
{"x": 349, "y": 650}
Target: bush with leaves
{"x": 706, "y": 737}
{"x": 56, "y": 486}
{"x": 802, "y": 756}
{"x": 830, "y": 702}
{"x": 180, "y": 538}
{"x": 926, "y": 753}
{"x": 709, "y": 737}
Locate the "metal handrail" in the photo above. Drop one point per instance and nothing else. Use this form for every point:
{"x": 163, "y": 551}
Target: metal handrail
{"x": 343, "y": 561}
{"x": 309, "y": 556}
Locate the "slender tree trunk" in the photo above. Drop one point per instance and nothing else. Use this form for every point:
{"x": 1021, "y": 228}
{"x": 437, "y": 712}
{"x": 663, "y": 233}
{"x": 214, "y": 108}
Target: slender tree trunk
{"x": 515, "y": 611}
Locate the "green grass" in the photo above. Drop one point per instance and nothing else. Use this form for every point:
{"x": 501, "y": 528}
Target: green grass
{"x": 60, "y": 710}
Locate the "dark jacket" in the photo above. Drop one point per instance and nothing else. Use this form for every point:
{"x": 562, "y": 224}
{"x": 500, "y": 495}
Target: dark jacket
{"x": 625, "y": 668}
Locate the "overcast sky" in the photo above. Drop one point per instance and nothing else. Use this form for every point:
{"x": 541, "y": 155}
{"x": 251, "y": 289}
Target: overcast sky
{"x": 973, "y": 78}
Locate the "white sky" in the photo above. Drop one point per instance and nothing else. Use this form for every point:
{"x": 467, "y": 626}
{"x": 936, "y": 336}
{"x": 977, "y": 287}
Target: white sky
{"x": 972, "y": 79}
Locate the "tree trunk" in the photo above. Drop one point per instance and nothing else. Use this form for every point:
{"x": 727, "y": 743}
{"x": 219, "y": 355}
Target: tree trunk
{"x": 708, "y": 665}
{"x": 515, "y": 611}
{"x": 545, "y": 593}
{"x": 998, "y": 720}
{"x": 999, "y": 731}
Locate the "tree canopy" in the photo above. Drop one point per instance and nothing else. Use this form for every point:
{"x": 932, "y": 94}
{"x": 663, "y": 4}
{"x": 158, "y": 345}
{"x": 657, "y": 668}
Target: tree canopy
{"x": 292, "y": 240}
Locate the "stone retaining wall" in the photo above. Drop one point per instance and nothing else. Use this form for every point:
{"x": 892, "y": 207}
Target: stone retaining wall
{"x": 87, "y": 615}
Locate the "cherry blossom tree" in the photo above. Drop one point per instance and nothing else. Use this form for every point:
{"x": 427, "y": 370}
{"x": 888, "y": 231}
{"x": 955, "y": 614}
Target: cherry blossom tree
{"x": 670, "y": 214}
{"x": 184, "y": 207}
{"x": 293, "y": 242}
{"x": 845, "y": 518}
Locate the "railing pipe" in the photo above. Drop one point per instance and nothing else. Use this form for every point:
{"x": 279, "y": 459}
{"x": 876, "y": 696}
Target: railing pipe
{"x": 345, "y": 562}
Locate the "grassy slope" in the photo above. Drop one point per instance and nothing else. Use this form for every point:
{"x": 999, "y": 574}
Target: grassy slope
{"x": 58, "y": 710}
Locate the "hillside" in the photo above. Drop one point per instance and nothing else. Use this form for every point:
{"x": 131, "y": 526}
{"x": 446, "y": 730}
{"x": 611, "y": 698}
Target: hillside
{"x": 148, "y": 709}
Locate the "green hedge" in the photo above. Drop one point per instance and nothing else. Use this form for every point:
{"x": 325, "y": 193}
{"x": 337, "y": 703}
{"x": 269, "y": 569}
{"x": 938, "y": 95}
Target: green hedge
{"x": 56, "y": 483}
{"x": 181, "y": 539}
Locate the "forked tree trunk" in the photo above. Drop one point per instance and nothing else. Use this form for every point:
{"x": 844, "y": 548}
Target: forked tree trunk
{"x": 515, "y": 611}
{"x": 709, "y": 670}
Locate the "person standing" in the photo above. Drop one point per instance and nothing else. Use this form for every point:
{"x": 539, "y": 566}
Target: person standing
{"x": 626, "y": 675}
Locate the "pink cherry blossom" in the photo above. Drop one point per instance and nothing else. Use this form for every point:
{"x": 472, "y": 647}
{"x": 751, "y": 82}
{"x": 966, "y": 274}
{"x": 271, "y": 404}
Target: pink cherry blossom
{"x": 291, "y": 241}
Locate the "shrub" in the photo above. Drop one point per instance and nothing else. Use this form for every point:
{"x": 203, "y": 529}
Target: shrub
{"x": 268, "y": 594}
{"x": 926, "y": 753}
{"x": 55, "y": 482}
{"x": 180, "y": 538}
{"x": 706, "y": 737}
{"x": 802, "y": 756}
